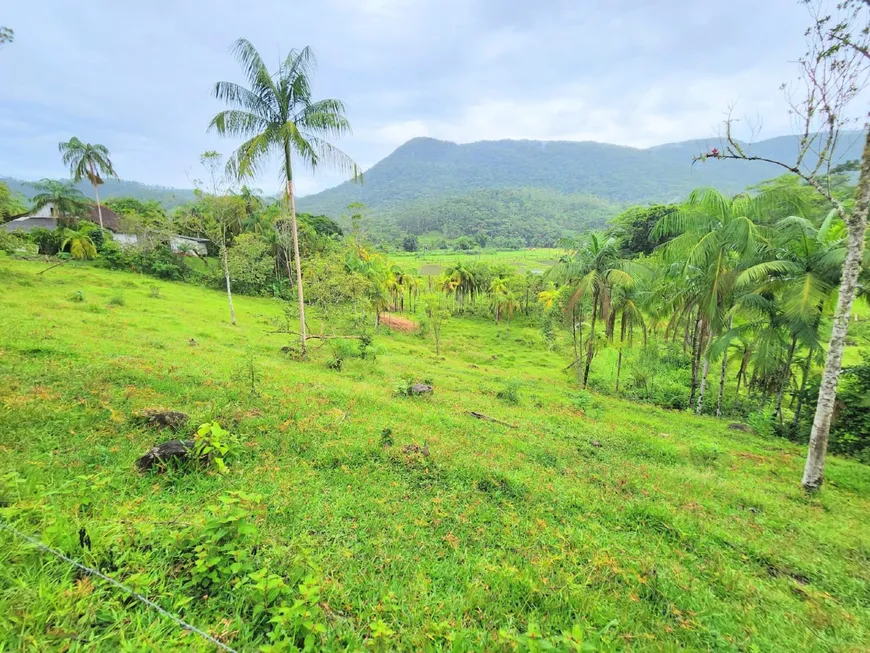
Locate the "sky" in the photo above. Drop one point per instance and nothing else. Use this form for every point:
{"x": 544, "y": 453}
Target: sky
{"x": 137, "y": 75}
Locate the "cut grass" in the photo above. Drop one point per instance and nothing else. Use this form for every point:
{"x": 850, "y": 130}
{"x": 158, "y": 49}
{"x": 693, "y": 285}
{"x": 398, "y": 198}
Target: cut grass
{"x": 634, "y": 527}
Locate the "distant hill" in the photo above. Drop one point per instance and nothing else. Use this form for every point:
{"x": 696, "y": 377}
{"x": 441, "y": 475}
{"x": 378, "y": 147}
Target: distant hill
{"x": 536, "y": 216}
{"x": 168, "y": 197}
{"x": 427, "y": 180}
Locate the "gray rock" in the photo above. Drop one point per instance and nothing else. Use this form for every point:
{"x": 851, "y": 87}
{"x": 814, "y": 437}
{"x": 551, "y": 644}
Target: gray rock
{"x": 740, "y": 427}
{"x": 421, "y": 389}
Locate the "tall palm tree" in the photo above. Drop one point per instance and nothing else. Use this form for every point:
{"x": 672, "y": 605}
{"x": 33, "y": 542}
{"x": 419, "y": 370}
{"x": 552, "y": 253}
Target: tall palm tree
{"x": 593, "y": 266}
{"x": 278, "y": 116}
{"x": 67, "y": 200}
{"x": 713, "y": 235}
{"x": 90, "y": 161}
{"x": 803, "y": 274}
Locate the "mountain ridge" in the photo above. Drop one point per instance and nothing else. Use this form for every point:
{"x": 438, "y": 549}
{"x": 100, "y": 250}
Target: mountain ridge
{"x": 424, "y": 167}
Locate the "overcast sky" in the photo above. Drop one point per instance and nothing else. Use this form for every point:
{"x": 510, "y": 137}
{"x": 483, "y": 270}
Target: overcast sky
{"x": 137, "y": 75}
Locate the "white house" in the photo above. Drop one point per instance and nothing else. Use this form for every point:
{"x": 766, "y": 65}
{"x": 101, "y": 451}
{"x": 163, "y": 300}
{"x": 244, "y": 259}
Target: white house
{"x": 46, "y": 217}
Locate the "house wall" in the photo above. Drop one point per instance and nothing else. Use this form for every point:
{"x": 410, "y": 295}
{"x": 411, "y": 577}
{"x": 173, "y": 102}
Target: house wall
{"x": 125, "y": 240}
{"x": 43, "y": 212}
{"x": 178, "y": 243}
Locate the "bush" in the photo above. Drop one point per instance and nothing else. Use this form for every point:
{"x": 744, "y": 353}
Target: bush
{"x": 117, "y": 300}
{"x": 16, "y": 242}
{"x": 582, "y": 400}
{"x": 510, "y": 392}
{"x": 851, "y": 430}
{"x": 78, "y": 297}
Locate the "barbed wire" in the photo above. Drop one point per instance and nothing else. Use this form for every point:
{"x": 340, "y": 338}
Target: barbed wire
{"x": 131, "y": 592}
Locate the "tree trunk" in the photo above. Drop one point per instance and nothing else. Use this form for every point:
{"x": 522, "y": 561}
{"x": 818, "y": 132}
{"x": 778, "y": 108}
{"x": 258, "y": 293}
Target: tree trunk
{"x": 695, "y": 354}
{"x": 226, "y": 267}
{"x": 621, "y": 341}
{"x": 706, "y": 369}
{"x": 292, "y": 202}
{"x": 785, "y": 380}
{"x": 800, "y": 396}
{"x": 722, "y": 373}
{"x": 99, "y": 208}
{"x": 590, "y": 344}
{"x": 97, "y": 197}
{"x": 857, "y": 226}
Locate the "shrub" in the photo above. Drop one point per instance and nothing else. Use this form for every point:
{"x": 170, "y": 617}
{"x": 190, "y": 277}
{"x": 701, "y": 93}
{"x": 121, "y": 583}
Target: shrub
{"x": 117, "y": 300}
{"x": 510, "y": 392}
{"x": 154, "y": 292}
{"x": 213, "y": 445}
{"x": 78, "y": 297}
{"x": 14, "y": 242}
{"x": 851, "y": 430}
{"x": 582, "y": 400}
{"x": 221, "y": 549}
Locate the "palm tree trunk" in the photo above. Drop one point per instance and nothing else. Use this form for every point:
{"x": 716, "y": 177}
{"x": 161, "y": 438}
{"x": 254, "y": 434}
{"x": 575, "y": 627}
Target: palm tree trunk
{"x": 706, "y": 369}
{"x": 292, "y": 202}
{"x": 695, "y": 353}
{"x": 97, "y": 197}
{"x": 226, "y": 267}
{"x": 722, "y": 373}
{"x": 785, "y": 379}
{"x": 621, "y": 342}
{"x": 590, "y": 344}
{"x": 803, "y": 389}
{"x": 856, "y": 224}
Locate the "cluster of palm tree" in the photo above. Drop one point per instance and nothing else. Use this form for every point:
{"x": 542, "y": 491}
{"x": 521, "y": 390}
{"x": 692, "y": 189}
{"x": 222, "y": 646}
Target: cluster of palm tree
{"x": 743, "y": 281}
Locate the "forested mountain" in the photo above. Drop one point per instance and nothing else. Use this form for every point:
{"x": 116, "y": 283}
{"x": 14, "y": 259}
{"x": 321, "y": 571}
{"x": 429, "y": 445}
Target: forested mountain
{"x": 168, "y": 197}
{"x": 526, "y": 216}
{"x": 426, "y": 169}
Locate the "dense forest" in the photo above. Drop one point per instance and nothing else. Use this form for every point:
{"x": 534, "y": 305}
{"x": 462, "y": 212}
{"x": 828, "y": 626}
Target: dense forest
{"x": 523, "y": 217}
{"x": 425, "y": 168}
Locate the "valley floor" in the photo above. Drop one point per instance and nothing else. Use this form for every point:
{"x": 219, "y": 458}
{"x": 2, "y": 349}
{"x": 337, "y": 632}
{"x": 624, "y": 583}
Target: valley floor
{"x": 619, "y": 525}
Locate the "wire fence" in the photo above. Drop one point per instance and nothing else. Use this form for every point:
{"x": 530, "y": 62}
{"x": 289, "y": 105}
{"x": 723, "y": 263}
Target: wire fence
{"x": 112, "y": 581}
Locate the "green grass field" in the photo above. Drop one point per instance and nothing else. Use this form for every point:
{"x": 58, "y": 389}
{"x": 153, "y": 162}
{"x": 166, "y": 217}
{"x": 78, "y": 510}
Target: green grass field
{"x": 524, "y": 260}
{"x": 626, "y": 526}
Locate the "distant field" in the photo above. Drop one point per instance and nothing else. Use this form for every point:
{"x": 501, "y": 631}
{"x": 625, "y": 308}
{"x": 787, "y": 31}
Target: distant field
{"x": 524, "y": 260}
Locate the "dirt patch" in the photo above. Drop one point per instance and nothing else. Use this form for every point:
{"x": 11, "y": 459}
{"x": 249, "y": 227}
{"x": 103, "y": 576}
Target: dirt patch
{"x": 431, "y": 269}
{"x": 398, "y": 323}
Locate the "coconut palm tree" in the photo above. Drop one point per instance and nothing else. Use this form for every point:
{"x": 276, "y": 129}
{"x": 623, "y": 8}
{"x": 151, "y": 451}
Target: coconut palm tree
{"x": 67, "y": 200}
{"x": 88, "y": 161}
{"x": 277, "y": 115}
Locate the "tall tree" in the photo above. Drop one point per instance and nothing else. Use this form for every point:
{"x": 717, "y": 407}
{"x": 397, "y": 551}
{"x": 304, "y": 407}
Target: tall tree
{"x": 87, "y": 161}
{"x": 593, "y": 267}
{"x": 276, "y": 114}
{"x": 835, "y": 70}
{"x": 218, "y": 217}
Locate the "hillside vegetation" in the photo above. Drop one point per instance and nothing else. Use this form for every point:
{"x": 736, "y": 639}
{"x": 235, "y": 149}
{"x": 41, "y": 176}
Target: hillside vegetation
{"x": 426, "y": 168}
{"x": 383, "y": 521}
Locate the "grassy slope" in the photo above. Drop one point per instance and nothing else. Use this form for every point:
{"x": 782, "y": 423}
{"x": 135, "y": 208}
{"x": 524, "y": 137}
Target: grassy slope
{"x": 673, "y": 533}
